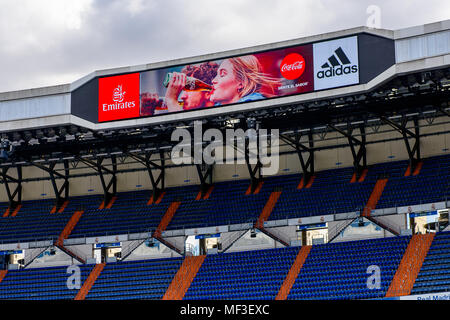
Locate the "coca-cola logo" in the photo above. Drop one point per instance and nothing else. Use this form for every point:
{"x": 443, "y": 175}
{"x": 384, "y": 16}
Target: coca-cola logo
{"x": 292, "y": 66}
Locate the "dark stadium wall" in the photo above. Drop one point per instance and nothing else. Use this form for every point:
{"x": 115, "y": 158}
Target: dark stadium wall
{"x": 376, "y": 54}
{"x": 84, "y": 102}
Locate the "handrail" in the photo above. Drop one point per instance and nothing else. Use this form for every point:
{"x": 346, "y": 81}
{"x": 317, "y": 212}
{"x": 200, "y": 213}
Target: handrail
{"x": 387, "y": 223}
{"x": 77, "y": 253}
{"x": 127, "y": 250}
{"x": 339, "y": 228}
{"x": 30, "y": 258}
{"x": 235, "y": 237}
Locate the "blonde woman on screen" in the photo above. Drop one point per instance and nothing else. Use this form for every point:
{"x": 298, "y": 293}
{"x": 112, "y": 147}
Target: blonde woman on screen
{"x": 239, "y": 80}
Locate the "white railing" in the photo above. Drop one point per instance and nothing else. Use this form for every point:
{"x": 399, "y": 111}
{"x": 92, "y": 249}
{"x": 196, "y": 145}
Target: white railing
{"x": 32, "y": 254}
{"x": 390, "y": 225}
{"x": 189, "y": 249}
{"x": 127, "y": 250}
{"x": 78, "y": 253}
{"x": 229, "y": 241}
{"x": 279, "y": 235}
{"x": 338, "y": 229}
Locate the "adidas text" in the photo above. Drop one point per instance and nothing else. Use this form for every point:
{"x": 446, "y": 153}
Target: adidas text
{"x": 337, "y": 71}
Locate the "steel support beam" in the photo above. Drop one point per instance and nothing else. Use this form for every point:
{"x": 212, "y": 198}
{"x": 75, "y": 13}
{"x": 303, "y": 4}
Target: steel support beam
{"x": 158, "y": 183}
{"x": 14, "y": 197}
{"x": 255, "y": 172}
{"x": 360, "y": 155}
{"x": 110, "y": 188}
{"x": 64, "y": 189}
{"x": 301, "y": 150}
{"x": 414, "y": 150}
{"x": 205, "y": 175}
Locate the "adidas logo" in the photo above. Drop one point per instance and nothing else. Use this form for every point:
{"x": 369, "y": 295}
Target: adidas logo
{"x": 337, "y": 65}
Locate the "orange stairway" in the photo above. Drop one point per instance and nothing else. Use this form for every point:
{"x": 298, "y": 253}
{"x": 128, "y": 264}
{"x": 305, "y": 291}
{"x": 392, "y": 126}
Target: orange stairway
{"x": 257, "y": 189}
{"x": 104, "y": 205}
{"x": 16, "y": 210}
{"x": 410, "y": 265}
{"x": 87, "y": 285}
{"x": 69, "y": 227}
{"x": 408, "y": 171}
{"x": 311, "y": 180}
{"x": 150, "y": 201}
{"x": 61, "y": 209}
{"x": 416, "y": 170}
{"x": 302, "y": 185}
{"x": 361, "y": 178}
{"x": 293, "y": 273}
{"x": 111, "y": 202}
{"x": 206, "y": 195}
{"x": 374, "y": 197}
{"x": 363, "y": 175}
{"x": 6, "y": 213}
{"x": 166, "y": 218}
{"x": 12, "y": 212}
{"x": 267, "y": 210}
{"x": 3, "y": 274}
{"x": 183, "y": 278}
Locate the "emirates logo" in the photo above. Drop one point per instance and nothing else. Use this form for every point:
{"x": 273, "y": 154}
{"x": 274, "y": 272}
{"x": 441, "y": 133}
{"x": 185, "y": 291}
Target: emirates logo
{"x": 118, "y": 94}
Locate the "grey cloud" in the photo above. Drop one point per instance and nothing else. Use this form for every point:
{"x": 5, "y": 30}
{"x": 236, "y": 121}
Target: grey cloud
{"x": 111, "y": 35}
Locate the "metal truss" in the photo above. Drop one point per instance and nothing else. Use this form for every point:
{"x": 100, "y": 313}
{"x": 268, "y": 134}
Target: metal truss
{"x": 110, "y": 189}
{"x": 360, "y": 155}
{"x": 158, "y": 185}
{"x": 64, "y": 188}
{"x": 205, "y": 175}
{"x": 414, "y": 150}
{"x": 301, "y": 150}
{"x": 14, "y": 196}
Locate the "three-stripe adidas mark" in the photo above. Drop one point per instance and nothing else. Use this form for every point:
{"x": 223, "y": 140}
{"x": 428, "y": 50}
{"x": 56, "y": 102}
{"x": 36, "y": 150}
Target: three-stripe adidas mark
{"x": 338, "y": 64}
{"x": 334, "y": 62}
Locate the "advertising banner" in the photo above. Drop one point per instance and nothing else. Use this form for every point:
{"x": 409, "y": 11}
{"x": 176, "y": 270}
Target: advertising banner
{"x": 234, "y": 80}
{"x": 336, "y": 63}
{"x": 228, "y": 81}
{"x": 118, "y": 97}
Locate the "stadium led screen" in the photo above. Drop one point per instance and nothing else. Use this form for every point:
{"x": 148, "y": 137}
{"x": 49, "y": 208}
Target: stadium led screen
{"x": 227, "y": 81}
{"x": 235, "y": 80}
{"x": 239, "y": 79}
{"x": 209, "y": 84}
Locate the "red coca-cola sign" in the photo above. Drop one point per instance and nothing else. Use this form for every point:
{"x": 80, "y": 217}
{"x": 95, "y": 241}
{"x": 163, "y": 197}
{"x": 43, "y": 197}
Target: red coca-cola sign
{"x": 292, "y": 66}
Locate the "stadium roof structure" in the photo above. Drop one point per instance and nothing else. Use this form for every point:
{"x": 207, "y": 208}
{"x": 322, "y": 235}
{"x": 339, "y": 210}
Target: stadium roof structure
{"x": 402, "y": 86}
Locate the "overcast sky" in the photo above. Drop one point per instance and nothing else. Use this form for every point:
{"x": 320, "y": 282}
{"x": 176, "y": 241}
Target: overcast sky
{"x": 50, "y": 42}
